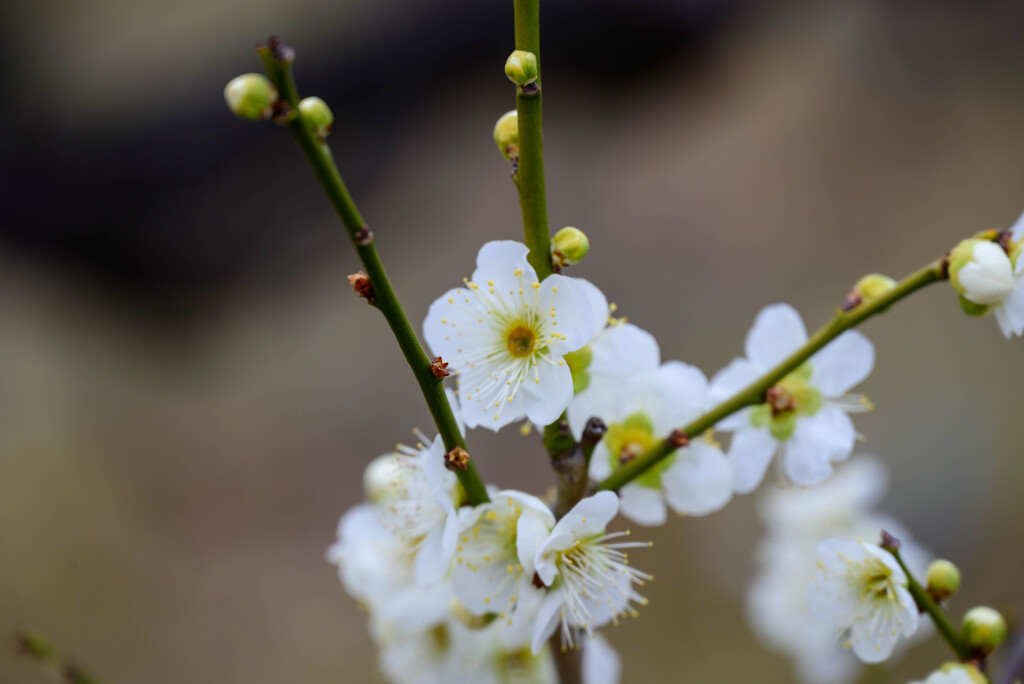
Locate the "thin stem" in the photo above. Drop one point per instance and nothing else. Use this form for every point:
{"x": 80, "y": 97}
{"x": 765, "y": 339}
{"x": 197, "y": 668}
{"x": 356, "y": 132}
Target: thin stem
{"x": 928, "y": 605}
{"x": 318, "y": 154}
{"x": 38, "y": 648}
{"x": 754, "y": 394}
{"x": 530, "y": 171}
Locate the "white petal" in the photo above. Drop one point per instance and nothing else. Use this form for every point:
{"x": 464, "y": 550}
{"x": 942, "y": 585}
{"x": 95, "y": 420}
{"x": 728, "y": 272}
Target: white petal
{"x": 431, "y": 565}
{"x": 681, "y": 394}
{"x": 642, "y": 505}
{"x": 498, "y": 261}
{"x": 600, "y": 399}
{"x": 778, "y": 331}
{"x": 844, "y": 363}
{"x": 1017, "y": 231}
{"x": 590, "y": 516}
{"x": 700, "y": 481}
{"x": 1010, "y": 314}
{"x": 737, "y": 376}
{"x": 546, "y": 621}
{"x": 573, "y": 316}
{"x": 449, "y": 315}
{"x": 545, "y": 401}
{"x": 600, "y": 462}
{"x": 440, "y": 480}
{"x": 601, "y": 664}
{"x": 737, "y": 421}
{"x": 624, "y": 350}
{"x": 750, "y": 453}
{"x": 598, "y": 303}
{"x": 531, "y": 531}
{"x": 818, "y": 440}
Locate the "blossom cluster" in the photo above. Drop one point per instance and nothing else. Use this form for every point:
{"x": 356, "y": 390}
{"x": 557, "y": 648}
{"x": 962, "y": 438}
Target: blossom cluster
{"x": 463, "y": 592}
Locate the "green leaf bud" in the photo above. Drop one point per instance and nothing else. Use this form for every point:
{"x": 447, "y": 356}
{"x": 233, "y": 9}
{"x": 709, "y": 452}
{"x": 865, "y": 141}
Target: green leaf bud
{"x": 569, "y": 246}
{"x": 521, "y": 67}
{"x": 317, "y": 116}
{"x": 943, "y": 579}
{"x": 250, "y": 96}
{"x": 983, "y": 629}
{"x": 506, "y": 135}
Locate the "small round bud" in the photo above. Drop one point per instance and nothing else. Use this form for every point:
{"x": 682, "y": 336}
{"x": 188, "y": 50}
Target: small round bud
{"x": 873, "y": 286}
{"x": 521, "y": 67}
{"x": 943, "y": 579}
{"x": 506, "y": 135}
{"x": 983, "y": 629}
{"x": 317, "y": 116}
{"x": 981, "y": 272}
{"x": 569, "y": 246}
{"x": 250, "y": 96}
{"x": 383, "y": 479}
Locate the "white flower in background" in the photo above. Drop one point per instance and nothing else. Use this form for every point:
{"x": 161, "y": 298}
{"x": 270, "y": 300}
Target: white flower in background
{"x": 1010, "y": 312}
{"x": 422, "y": 511}
{"x": 590, "y": 581}
{"x": 989, "y": 276}
{"x": 619, "y": 352}
{"x": 694, "y": 480}
{"x": 493, "y": 571}
{"x": 955, "y": 673}
{"x": 506, "y": 334}
{"x": 601, "y": 664}
{"x": 797, "y": 521}
{"x": 862, "y": 591}
{"x": 804, "y": 418}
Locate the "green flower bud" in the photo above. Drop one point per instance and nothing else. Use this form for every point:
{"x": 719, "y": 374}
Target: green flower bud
{"x": 250, "y": 96}
{"x": 317, "y": 116}
{"x": 521, "y": 67}
{"x": 873, "y": 286}
{"x": 972, "y": 672}
{"x": 983, "y": 629}
{"x": 943, "y": 579}
{"x": 569, "y": 246}
{"x": 506, "y": 135}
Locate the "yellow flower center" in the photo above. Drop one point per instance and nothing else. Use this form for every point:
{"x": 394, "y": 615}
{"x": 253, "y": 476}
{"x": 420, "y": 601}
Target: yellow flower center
{"x": 520, "y": 340}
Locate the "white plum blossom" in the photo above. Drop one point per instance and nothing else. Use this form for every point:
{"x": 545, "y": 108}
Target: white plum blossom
{"x": 493, "y": 571}
{"x": 422, "y": 511}
{"x": 1009, "y": 312}
{"x": 804, "y": 418}
{"x": 797, "y": 520}
{"x": 987, "y": 276}
{"x": 862, "y": 591}
{"x": 589, "y": 579}
{"x": 505, "y": 335}
{"x": 696, "y": 479}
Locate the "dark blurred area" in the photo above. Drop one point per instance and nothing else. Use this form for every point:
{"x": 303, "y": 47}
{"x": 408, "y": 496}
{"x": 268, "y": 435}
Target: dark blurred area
{"x": 190, "y": 390}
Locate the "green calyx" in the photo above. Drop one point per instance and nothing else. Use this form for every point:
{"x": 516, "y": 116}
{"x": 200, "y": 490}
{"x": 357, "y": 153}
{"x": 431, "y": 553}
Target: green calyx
{"x": 792, "y": 398}
{"x": 631, "y": 438}
{"x": 578, "y": 362}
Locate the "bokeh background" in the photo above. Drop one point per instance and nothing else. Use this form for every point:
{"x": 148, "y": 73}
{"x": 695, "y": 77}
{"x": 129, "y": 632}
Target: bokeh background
{"x": 189, "y": 391}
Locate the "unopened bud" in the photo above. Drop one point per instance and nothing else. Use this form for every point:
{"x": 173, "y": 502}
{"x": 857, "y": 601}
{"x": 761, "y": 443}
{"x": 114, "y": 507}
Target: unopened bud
{"x": 383, "y": 478}
{"x": 943, "y": 579}
{"x": 569, "y": 246}
{"x": 983, "y": 629}
{"x": 506, "y": 135}
{"x": 521, "y": 67}
{"x": 317, "y": 116}
{"x": 874, "y": 286}
{"x": 250, "y": 96}
{"x": 981, "y": 272}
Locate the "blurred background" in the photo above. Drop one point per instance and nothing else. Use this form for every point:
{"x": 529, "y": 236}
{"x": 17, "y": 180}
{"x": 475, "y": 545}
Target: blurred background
{"x": 190, "y": 390}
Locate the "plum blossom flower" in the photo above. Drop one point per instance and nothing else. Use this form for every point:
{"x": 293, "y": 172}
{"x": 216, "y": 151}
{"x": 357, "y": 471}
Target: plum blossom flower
{"x": 589, "y": 579}
{"x": 696, "y": 479}
{"x": 505, "y": 335}
{"x": 804, "y": 418}
{"x": 862, "y": 591}
{"x": 955, "y": 673}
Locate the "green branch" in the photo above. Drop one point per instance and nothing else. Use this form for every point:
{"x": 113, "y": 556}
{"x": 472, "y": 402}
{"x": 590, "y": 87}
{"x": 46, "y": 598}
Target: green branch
{"x": 529, "y": 174}
{"x": 754, "y": 394}
{"x": 38, "y": 648}
{"x": 277, "y": 59}
{"x": 928, "y": 605}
